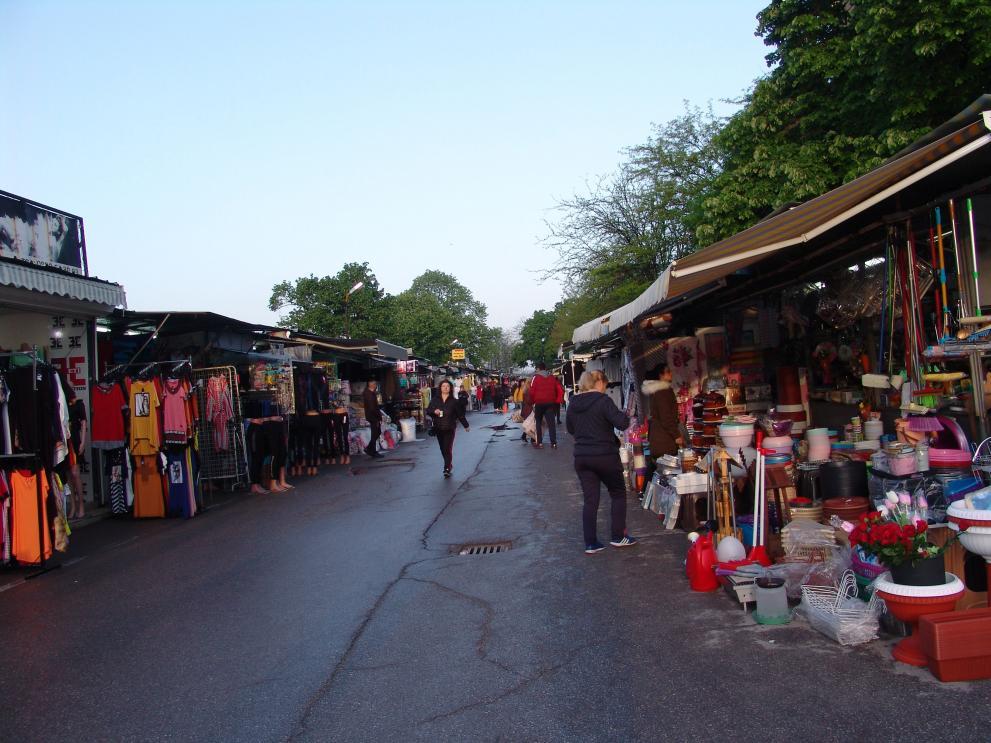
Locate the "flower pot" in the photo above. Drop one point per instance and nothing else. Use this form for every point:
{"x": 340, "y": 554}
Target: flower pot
{"x": 910, "y": 603}
{"x": 928, "y": 572}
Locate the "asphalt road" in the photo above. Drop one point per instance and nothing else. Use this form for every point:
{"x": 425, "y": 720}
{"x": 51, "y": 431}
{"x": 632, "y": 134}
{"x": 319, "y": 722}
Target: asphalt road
{"x": 339, "y": 613}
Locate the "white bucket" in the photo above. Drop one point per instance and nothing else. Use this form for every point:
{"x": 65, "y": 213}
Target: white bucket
{"x": 408, "y": 426}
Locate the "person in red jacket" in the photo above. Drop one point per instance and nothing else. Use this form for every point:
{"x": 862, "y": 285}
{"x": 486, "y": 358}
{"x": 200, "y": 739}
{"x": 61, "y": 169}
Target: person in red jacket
{"x": 547, "y": 393}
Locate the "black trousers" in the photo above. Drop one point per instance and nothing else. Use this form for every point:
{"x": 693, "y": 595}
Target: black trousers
{"x": 545, "y": 414}
{"x": 445, "y": 439}
{"x": 603, "y": 469}
{"x": 311, "y": 426}
{"x": 376, "y": 432}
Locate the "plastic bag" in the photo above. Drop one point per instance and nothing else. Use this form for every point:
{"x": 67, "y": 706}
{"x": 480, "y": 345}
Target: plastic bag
{"x": 530, "y": 426}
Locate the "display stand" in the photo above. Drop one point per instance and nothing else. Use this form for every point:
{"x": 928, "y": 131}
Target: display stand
{"x": 227, "y": 465}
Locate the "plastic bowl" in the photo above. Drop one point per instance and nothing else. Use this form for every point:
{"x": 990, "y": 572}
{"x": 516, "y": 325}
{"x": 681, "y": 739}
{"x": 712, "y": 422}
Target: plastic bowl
{"x": 736, "y": 441}
{"x": 772, "y": 442}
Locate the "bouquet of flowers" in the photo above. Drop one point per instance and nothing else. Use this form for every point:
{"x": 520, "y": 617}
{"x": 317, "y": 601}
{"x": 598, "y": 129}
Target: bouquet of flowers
{"x": 896, "y": 533}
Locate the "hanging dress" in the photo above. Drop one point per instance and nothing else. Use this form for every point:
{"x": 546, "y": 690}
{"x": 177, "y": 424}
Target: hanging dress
{"x": 24, "y": 516}
{"x": 177, "y": 427}
{"x": 145, "y": 439}
{"x": 219, "y": 411}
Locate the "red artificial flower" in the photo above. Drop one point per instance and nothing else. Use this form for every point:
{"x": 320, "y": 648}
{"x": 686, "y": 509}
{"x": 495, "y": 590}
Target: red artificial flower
{"x": 921, "y": 526}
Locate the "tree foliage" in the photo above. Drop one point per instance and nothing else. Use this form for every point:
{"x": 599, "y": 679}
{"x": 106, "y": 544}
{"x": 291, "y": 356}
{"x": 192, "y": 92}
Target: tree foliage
{"x": 316, "y": 305}
{"x": 851, "y": 84}
{"x": 437, "y": 310}
{"x": 535, "y": 339}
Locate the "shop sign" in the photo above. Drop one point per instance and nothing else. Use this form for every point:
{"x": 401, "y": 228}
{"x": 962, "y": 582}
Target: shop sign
{"x": 457, "y": 354}
{"x": 37, "y": 235}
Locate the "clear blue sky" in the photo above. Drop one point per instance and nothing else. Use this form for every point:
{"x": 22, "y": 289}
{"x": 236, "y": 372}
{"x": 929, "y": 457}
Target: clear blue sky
{"x": 216, "y": 148}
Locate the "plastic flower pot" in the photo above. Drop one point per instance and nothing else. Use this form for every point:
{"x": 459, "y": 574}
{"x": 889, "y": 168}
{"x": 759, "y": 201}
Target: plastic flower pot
{"x": 928, "y": 572}
{"x": 909, "y": 603}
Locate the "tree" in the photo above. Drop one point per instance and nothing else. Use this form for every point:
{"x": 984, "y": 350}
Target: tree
{"x": 851, "y": 84}
{"x": 535, "y": 343}
{"x": 435, "y": 311}
{"x": 316, "y": 305}
{"x": 614, "y": 241}
{"x": 503, "y": 355}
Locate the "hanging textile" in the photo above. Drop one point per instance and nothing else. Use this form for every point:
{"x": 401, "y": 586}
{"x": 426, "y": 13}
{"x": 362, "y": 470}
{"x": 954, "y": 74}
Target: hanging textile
{"x": 177, "y": 423}
{"x": 25, "y": 545}
{"x": 219, "y": 411}
{"x": 182, "y": 498}
{"x": 145, "y": 439}
{"x": 149, "y": 494}
{"x": 107, "y": 406}
{"x": 117, "y": 476}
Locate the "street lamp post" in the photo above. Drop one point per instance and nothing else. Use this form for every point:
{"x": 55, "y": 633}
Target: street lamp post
{"x": 543, "y": 343}
{"x": 347, "y": 312}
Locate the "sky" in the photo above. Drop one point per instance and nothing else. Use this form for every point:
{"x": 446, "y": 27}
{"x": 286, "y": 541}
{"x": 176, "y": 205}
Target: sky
{"x": 215, "y": 148}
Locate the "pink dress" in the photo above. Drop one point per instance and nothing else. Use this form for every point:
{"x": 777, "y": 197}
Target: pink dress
{"x": 219, "y": 410}
{"x": 177, "y": 427}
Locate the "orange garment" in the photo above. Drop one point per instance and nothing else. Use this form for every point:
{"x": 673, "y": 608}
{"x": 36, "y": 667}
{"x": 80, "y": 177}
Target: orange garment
{"x": 24, "y": 514}
{"x": 149, "y": 493}
{"x": 145, "y": 401}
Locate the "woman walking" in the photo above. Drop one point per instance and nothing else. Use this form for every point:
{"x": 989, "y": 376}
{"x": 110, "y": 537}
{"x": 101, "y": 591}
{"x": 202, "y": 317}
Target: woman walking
{"x": 591, "y": 418}
{"x": 445, "y": 411}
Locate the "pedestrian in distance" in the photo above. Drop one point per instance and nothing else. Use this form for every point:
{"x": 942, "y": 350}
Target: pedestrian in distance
{"x": 664, "y": 434}
{"x": 479, "y": 394}
{"x": 446, "y": 412}
{"x": 591, "y": 420}
{"x": 374, "y": 416}
{"x": 547, "y": 394}
{"x": 526, "y": 400}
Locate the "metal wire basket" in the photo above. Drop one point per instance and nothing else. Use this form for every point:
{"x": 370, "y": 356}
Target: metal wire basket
{"x": 982, "y": 457}
{"x": 839, "y": 614}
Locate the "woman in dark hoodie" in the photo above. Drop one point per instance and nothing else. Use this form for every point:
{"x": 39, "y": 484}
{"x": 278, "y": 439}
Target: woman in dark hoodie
{"x": 591, "y": 420}
{"x": 446, "y": 411}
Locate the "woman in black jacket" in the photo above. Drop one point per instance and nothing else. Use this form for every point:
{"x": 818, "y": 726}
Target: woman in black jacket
{"x": 591, "y": 419}
{"x": 445, "y": 411}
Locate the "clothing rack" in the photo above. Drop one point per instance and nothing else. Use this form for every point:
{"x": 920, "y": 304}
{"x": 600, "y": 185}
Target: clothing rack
{"x": 36, "y": 460}
{"x": 146, "y": 365}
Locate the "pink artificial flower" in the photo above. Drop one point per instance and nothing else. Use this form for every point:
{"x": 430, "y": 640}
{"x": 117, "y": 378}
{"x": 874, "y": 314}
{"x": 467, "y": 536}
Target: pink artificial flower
{"x": 922, "y": 502}
{"x": 905, "y": 499}
{"x": 847, "y": 527}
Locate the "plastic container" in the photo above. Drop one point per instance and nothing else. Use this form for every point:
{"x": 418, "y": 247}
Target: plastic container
{"x": 922, "y": 457}
{"x": 957, "y": 644}
{"x": 902, "y": 464}
{"x": 772, "y": 602}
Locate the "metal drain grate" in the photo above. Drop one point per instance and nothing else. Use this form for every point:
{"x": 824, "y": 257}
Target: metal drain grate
{"x": 484, "y": 549}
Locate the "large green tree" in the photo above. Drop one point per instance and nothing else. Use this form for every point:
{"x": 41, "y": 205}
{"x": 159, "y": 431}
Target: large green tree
{"x": 613, "y": 241}
{"x": 851, "y": 84}
{"x": 438, "y": 310}
{"x": 317, "y": 305}
{"x": 535, "y": 339}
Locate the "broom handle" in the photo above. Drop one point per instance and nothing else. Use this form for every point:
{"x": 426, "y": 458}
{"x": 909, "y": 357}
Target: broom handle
{"x": 939, "y": 304}
{"x": 962, "y": 285}
{"x": 942, "y": 272}
{"x": 973, "y": 253}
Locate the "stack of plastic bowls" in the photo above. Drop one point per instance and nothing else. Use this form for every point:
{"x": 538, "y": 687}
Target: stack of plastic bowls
{"x": 736, "y": 435}
{"x": 779, "y": 445}
{"x": 873, "y": 430}
{"x": 818, "y": 444}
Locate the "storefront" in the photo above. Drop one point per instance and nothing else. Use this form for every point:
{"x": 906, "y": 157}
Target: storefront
{"x": 48, "y": 307}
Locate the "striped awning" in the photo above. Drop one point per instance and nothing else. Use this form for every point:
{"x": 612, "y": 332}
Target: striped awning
{"x": 811, "y": 219}
{"x": 102, "y": 296}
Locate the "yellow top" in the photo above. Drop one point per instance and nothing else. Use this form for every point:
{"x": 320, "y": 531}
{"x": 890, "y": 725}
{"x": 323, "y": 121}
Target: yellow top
{"x": 144, "y": 419}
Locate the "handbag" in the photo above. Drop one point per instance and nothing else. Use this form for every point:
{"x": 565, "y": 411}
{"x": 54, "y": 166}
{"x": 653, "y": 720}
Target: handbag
{"x": 530, "y": 425}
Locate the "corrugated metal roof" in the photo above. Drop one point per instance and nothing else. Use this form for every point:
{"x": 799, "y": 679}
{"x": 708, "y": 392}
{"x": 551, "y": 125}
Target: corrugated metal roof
{"x": 62, "y": 283}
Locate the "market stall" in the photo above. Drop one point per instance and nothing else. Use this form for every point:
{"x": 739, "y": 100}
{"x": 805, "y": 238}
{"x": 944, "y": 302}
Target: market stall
{"x": 831, "y": 389}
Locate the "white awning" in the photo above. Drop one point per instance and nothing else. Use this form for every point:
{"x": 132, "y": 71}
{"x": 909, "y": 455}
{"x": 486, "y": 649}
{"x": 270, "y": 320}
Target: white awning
{"x": 102, "y": 296}
{"x": 604, "y": 325}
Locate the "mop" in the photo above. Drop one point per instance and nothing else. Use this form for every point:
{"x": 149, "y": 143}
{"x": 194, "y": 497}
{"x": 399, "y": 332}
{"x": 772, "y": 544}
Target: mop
{"x": 938, "y": 303}
{"x": 961, "y": 286}
{"x": 758, "y": 553}
{"x": 973, "y": 253}
{"x": 947, "y": 315}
